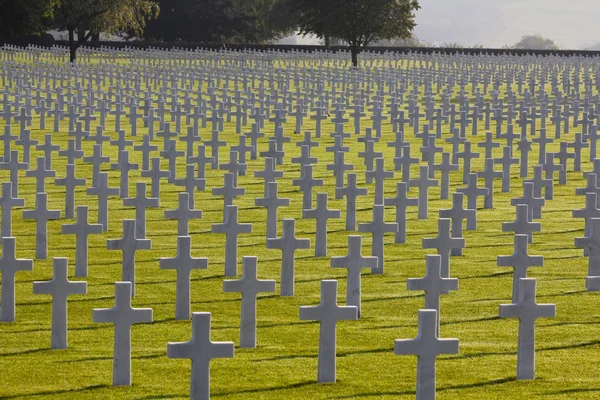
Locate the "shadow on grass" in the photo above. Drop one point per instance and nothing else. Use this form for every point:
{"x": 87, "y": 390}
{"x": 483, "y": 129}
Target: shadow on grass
{"x": 413, "y": 296}
{"x": 74, "y": 300}
{"x": 88, "y": 359}
{"x": 269, "y": 389}
{"x": 568, "y": 323}
{"x": 441, "y": 389}
{"x": 494, "y": 275}
{"x": 267, "y": 325}
{"x": 55, "y": 392}
{"x": 24, "y": 352}
{"x": 339, "y": 354}
{"x": 514, "y": 353}
{"x": 468, "y": 321}
{"x": 197, "y": 279}
{"x": 573, "y": 391}
{"x": 564, "y": 294}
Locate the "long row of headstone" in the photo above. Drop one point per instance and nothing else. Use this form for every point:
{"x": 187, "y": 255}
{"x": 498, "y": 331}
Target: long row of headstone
{"x": 89, "y": 106}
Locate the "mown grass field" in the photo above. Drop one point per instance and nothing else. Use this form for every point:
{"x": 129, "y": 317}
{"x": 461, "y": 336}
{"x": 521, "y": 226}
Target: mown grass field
{"x": 285, "y": 363}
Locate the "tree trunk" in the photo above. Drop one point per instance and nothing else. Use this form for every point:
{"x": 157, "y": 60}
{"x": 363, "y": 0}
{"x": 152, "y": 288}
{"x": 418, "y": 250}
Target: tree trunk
{"x": 327, "y": 42}
{"x": 355, "y": 56}
{"x": 72, "y": 45}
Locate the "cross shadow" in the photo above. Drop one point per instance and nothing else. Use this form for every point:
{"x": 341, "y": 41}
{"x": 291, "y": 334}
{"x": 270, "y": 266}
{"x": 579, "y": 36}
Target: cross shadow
{"x": 413, "y": 296}
{"x": 441, "y": 389}
{"x": 495, "y": 275}
{"x": 24, "y": 352}
{"x": 573, "y": 391}
{"x": 55, "y": 392}
{"x": 74, "y": 300}
{"x": 91, "y": 359}
{"x": 467, "y": 321}
{"x": 269, "y": 389}
{"x": 561, "y": 258}
{"x": 564, "y": 294}
{"x": 570, "y": 346}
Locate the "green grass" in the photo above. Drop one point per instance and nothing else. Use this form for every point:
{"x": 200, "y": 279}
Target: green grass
{"x": 285, "y": 363}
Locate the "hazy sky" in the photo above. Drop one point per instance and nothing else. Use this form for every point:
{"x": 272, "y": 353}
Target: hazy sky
{"x": 494, "y": 23}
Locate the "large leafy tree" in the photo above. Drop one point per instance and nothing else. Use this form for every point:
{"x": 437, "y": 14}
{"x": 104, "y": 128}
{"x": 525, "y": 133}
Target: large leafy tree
{"x": 357, "y": 22}
{"x": 24, "y": 17}
{"x": 90, "y": 17}
{"x": 220, "y": 21}
{"x": 536, "y": 42}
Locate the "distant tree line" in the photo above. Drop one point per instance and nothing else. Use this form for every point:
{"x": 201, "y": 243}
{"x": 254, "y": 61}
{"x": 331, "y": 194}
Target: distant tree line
{"x": 357, "y": 23}
{"x": 354, "y": 23}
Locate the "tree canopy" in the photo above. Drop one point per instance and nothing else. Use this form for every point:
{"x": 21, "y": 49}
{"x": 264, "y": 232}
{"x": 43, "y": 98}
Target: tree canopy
{"x": 536, "y": 42}
{"x": 89, "y": 17}
{"x": 357, "y": 22}
{"x": 25, "y": 17}
{"x": 221, "y": 21}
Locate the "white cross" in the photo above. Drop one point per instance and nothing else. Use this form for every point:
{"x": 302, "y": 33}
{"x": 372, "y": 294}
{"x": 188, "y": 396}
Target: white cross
{"x": 527, "y": 311}
{"x": 328, "y": 313}
{"x": 183, "y": 263}
{"x": 9, "y": 266}
{"x": 426, "y": 346}
{"x": 201, "y": 350}
{"x": 249, "y": 286}
{"x": 59, "y": 288}
{"x": 122, "y": 315}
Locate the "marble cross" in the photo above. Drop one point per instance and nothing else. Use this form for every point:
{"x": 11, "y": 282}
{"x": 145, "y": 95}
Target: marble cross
{"x": 527, "y": 311}
{"x": 426, "y": 346}
{"x": 201, "y": 350}
{"x": 232, "y": 229}
{"x": 328, "y": 313}
{"x": 520, "y": 261}
{"x": 122, "y": 315}
{"x": 82, "y": 229}
{"x": 249, "y": 286}
{"x": 272, "y": 202}
{"x": 103, "y": 191}
{"x": 70, "y": 181}
{"x": 41, "y": 215}
{"x": 41, "y": 173}
{"x": 184, "y": 264}
{"x": 457, "y": 214}
{"x": 306, "y": 183}
{"x": 351, "y": 192}
{"x": 354, "y": 262}
{"x": 9, "y": 266}
{"x": 155, "y": 174}
{"x": 433, "y": 284}
{"x": 60, "y": 287}
{"x": 321, "y": 214}
{"x": 129, "y": 244}
{"x": 141, "y": 202}
{"x": 378, "y": 228}
{"x": 183, "y": 214}
{"x": 288, "y": 243}
{"x": 423, "y": 183}
{"x": 444, "y": 242}
{"x": 522, "y": 224}
{"x": 7, "y": 202}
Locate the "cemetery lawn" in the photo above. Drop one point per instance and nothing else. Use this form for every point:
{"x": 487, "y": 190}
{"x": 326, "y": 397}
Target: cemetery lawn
{"x": 284, "y": 366}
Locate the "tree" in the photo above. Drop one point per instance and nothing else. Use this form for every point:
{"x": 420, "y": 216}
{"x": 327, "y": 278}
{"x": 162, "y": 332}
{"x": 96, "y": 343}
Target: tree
{"x": 221, "y": 21}
{"x": 357, "y": 22}
{"x": 536, "y": 42}
{"x": 411, "y": 41}
{"x": 90, "y": 17}
{"x": 24, "y": 17}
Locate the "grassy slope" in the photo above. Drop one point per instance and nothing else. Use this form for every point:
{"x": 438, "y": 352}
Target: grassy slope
{"x": 284, "y": 364}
